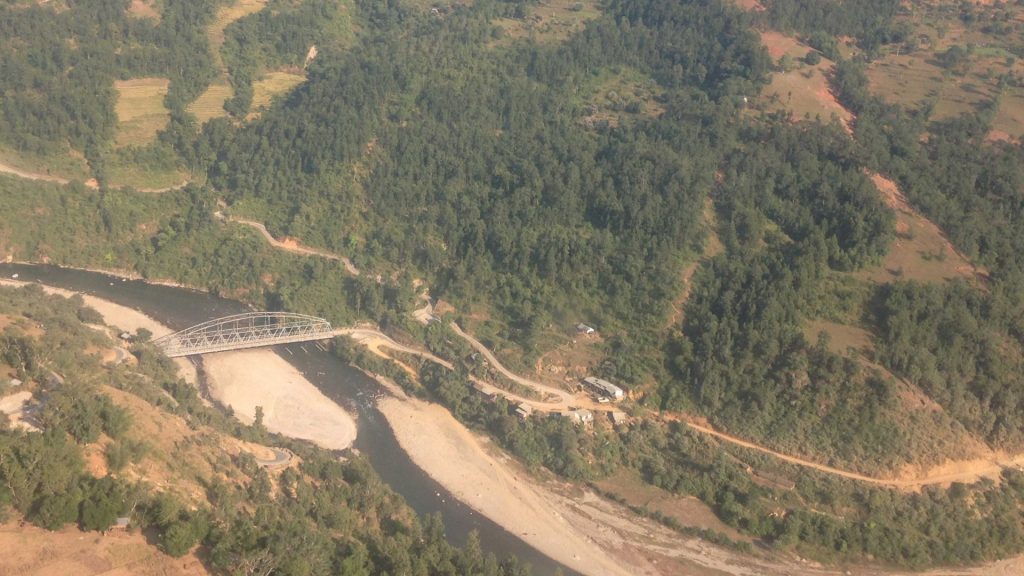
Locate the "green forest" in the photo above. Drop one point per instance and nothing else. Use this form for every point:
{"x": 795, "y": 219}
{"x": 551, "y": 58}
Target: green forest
{"x": 536, "y": 184}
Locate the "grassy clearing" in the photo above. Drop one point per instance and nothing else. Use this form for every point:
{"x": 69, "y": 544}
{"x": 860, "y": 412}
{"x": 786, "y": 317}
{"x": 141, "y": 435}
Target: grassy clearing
{"x": 841, "y": 337}
{"x": 911, "y": 80}
{"x": 148, "y": 168}
{"x": 931, "y": 435}
{"x": 68, "y": 164}
{"x": 920, "y": 251}
{"x": 29, "y": 550}
{"x": 620, "y": 93}
{"x": 210, "y": 104}
{"x": 799, "y": 88}
{"x": 686, "y": 510}
{"x": 935, "y": 438}
{"x": 144, "y": 9}
{"x": 143, "y": 176}
{"x": 140, "y": 110}
{"x": 270, "y": 85}
{"x": 1009, "y": 121}
{"x": 567, "y": 358}
{"x": 549, "y": 21}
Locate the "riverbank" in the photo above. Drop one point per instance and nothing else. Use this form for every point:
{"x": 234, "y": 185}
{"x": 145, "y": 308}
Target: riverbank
{"x": 292, "y": 406}
{"x": 610, "y": 526}
{"x": 577, "y": 528}
{"x": 574, "y": 527}
{"x": 455, "y": 458}
{"x": 119, "y": 273}
{"x": 113, "y": 314}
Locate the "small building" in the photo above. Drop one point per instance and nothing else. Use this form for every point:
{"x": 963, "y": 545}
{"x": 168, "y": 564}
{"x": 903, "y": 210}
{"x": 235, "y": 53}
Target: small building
{"x": 524, "y": 411}
{"x": 582, "y": 328}
{"x": 487, "y": 394}
{"x": 121, "y": 523}
{"x": 581, "y": 416}
{"x": 619, "y": 418}
{"x": 603, "y": 388}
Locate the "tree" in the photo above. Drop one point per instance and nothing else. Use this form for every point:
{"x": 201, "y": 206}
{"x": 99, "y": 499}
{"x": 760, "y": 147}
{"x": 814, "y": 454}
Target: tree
{"x": 53, "y": 511}
{"x": 178, "y": 538}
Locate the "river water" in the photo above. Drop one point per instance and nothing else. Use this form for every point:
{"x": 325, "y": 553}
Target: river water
{"x": 180, "y": 308}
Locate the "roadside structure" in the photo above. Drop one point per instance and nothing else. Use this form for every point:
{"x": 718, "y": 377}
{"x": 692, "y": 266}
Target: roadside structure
{"x": 619, "y": 418}
{"x": 603, "y": 388}
{"x": 581, "y": 416}
{"x": 523, "y": 411}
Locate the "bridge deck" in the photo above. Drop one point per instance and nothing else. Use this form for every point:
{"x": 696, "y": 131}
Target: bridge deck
{"x": 251, "y": 330}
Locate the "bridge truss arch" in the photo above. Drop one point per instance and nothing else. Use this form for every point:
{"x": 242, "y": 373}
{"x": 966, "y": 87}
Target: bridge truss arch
{"x": 249, "y": 330}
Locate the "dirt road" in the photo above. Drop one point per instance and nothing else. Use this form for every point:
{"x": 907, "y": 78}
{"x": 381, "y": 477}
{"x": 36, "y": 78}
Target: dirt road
{"x": 966, "y": 471}
{"x": 565, "y": 397}
{"x": 8, "y": 169}
{"x": 375, "y": 339}
{"x": 959, "y": 471}
{"x": 91, "y": 183}
{"x": 291, "y": 245}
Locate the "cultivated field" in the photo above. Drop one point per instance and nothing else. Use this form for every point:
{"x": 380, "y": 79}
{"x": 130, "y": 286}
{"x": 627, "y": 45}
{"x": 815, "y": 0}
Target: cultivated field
{"x": 140, "y": 110}
{"x": 225, "y": 16}
{"x": 686, "y": 510}
{"x": 841, "y": 337}
{"x": 144, "y": 176}
{"x": 210, "y": 104}
{"x": 1009, "y": 121}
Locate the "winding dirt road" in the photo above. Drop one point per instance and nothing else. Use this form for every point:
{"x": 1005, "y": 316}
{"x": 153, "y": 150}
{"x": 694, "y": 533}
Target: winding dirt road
{"x": 372, "y": 339}
{"x": 91, "y": 183}
{"x": 968, "y": 471}
{"x": 290, "y": 245}
{"x": 565, "y": 397}
{"x": 8, "y": 169}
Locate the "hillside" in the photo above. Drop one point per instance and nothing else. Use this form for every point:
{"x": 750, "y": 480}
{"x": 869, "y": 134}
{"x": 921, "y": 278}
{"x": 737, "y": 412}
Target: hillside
{"x": 121, "y": 435}
{"x": 796, "y": 225}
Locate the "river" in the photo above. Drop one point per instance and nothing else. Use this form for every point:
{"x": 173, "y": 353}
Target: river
{"x": 180, "y": 308}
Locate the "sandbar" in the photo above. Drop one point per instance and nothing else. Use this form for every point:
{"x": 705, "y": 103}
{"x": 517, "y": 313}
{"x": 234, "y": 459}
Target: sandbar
{"x": 291, "y": 404}
{"x": 456, "y": 459}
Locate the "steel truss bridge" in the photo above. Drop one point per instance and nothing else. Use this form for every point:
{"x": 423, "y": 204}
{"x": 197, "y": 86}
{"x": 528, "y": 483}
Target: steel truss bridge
{"x": 250, "y": 330}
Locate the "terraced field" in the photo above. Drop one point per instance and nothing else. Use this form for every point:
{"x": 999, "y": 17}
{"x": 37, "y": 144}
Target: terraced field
{"x": 140, "y": 110}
